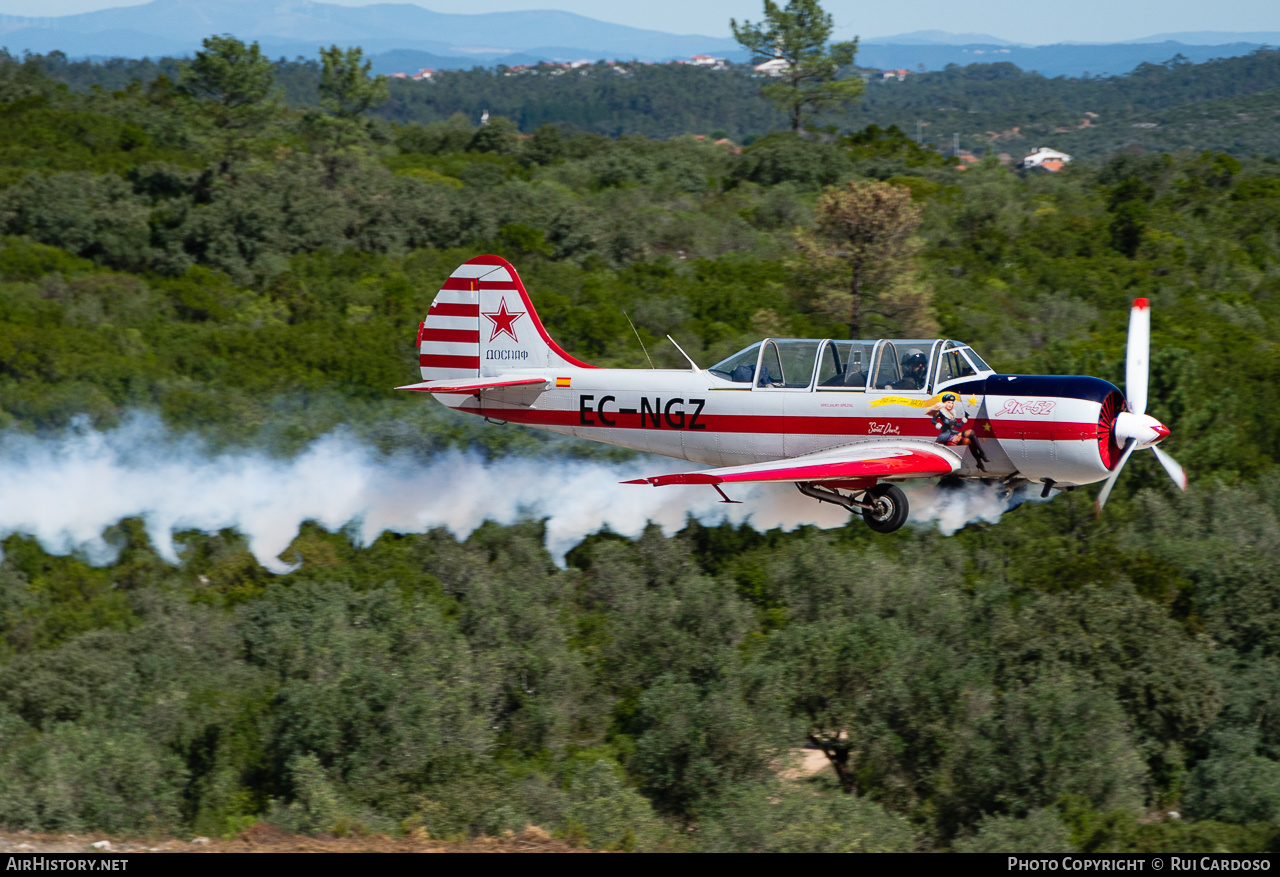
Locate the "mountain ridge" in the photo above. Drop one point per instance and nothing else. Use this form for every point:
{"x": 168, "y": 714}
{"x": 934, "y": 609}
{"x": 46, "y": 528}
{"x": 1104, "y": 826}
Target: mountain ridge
{"x": 393, "y": 33}
{"x": 169, "y": 23}
{"x": 939, "y": 38}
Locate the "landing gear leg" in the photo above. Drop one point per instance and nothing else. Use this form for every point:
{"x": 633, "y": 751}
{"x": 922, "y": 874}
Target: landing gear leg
{"x": 883, "y": 507}
{"x": 1010, "y": 484}
{"x": 889, "y": 508}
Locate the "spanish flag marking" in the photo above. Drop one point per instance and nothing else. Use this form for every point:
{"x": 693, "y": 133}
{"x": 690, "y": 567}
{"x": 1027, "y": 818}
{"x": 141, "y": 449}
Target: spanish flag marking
{"x": 562, "y": 382}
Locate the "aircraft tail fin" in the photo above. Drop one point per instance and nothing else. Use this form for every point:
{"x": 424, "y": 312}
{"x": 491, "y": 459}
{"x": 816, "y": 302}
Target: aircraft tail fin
{"x": 482, "y": 323}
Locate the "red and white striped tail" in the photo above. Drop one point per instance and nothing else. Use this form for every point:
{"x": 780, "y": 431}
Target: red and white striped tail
{"x": 482, "y": 323}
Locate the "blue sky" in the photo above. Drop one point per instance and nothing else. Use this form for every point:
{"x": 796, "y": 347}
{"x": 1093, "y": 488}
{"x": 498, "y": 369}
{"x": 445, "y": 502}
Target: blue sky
{"x": 1029, "y": 22}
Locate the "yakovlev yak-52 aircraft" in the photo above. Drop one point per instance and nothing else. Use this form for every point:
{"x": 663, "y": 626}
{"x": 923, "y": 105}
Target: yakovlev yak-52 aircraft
{"x": 842, "y": 420}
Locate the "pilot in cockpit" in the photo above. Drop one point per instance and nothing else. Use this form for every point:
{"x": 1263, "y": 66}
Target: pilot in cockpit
{"x": 915, "y": 367}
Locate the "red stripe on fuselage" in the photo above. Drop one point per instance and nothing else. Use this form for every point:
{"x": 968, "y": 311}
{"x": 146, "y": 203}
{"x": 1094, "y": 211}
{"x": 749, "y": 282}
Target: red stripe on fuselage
{"x": 879, "y": 427}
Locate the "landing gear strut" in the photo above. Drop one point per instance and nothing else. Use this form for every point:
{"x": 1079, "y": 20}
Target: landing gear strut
{"x": 884, "y": 507}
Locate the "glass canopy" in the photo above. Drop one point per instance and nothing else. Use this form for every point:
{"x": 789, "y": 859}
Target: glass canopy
{"x": 899, "y": 364}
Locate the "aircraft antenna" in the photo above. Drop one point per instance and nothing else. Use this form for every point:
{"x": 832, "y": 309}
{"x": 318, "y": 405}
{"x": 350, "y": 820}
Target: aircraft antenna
{"x": 686, "y": 356}
{"x": 642, "y": 347}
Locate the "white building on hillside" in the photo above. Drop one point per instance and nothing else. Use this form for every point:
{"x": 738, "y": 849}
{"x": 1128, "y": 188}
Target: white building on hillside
{"x": 709, "y": 61}
{"x": 776, "y": 67}
{"x": 1044, "y": 158}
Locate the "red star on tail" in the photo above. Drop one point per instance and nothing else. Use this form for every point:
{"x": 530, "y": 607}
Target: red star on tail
{"x": 504, "y": 321}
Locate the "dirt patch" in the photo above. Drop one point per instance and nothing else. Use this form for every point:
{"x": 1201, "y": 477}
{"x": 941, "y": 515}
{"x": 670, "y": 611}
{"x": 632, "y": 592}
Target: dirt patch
{"x": 263, "y": 838}
{"x": 804, "y": 763}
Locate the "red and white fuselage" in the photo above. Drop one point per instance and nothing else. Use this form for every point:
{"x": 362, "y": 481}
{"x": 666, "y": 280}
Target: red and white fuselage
{"x": 483, "y": 351}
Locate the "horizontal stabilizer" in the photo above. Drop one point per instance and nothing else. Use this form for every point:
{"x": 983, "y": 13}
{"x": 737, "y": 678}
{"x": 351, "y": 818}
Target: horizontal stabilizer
{"x": 468, "y": 386}
{"x": 868, "y": 461}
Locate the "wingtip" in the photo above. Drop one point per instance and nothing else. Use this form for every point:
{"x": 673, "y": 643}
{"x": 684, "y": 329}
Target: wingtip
{"x": 635, "y": 481}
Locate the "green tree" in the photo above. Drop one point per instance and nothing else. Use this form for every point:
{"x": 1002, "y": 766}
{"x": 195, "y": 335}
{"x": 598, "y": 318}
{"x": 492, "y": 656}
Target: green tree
{"x": 347, "y": 93}
{"x": 23, "y": 77}
{"x": 346, "y": 89}
{"x": 96, "y": 217}
{"x": 790, "y": 817}
{"x": 797, "y": 36}
{"x": 545, "y": 146}
{"x": 826, "y": 675}
{"x": 497, "y": 135}
{"x": 1040, "y": 831}
{"x": 234, "y": 82}
{"x": 1235, "y": 783}
{"x": 1128, "y": 204}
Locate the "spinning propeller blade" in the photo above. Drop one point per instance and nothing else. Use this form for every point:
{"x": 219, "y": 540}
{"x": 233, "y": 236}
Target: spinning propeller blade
{"x": 1176, "y": 472}
{"x": 1137, "y": 364}
{"x": 1137, "y": 374}
{"x": 1111, "y": 479}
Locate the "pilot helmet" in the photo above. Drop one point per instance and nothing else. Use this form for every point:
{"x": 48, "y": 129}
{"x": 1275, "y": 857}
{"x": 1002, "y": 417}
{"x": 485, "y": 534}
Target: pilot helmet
{"x": 914, "y": 358}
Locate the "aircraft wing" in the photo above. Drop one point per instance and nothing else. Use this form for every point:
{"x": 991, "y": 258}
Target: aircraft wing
{"x": 469, "y": 386}
{"x": 853, "y": 462}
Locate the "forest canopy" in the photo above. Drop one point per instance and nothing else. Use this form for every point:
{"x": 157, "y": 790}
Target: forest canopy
{"x": 1226, "y": 105}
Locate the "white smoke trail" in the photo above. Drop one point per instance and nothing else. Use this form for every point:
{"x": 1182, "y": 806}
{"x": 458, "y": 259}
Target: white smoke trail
{"x": 952, "y": 508}
{"x": 66, "y": 491}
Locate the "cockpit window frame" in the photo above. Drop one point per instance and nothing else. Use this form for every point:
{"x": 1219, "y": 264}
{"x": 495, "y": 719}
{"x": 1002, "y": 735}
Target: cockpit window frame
{"x": 967, "y": 354}
{"x": 775, "y": 343}
{"x": 979, "y": 364}
{"x": 726, "y": 376}
{"x": 873, "y": 374}
{"x": 947, "y": 348}
{"x": 875, "y": 386}
{"x": 842, "y": 365}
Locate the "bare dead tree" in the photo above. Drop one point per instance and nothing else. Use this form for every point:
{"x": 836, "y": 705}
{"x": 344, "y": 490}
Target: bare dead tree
{"x": 858, "y": 255}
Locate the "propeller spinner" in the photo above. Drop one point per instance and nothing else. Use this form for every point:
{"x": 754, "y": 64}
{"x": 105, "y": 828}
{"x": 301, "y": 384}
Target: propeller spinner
{"x": 1134, "y": 429}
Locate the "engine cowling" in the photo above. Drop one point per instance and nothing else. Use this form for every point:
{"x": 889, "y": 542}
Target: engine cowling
{"x": 1059, "y": 428}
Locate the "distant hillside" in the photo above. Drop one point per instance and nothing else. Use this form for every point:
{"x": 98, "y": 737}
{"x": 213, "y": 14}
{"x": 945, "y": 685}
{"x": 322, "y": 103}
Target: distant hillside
{"x": 1063, "y": 59}
{"x": 937, "y": 38}
{"x": 175, "y": 27}
{"x": 1231, "y": 104}
{"x": 999, "y": 108}
{"x": 1215, "y": 37}
{"x": 1242, "y": 125}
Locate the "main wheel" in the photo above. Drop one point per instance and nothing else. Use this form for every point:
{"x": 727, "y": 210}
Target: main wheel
{"x": 890, "y": 511}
